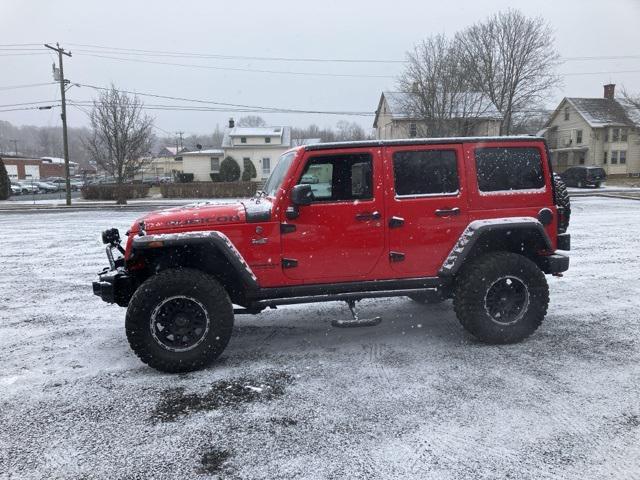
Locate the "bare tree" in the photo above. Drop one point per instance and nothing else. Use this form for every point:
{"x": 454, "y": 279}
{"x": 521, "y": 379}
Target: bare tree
{"x": 121, "y": 135}
{"x": 251, "y": 121}
{"x": 512, "y": 59}
{"x": 437, "y": 92}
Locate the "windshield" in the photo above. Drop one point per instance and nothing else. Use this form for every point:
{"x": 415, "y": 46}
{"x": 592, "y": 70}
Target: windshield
{"x": 277, "y": 176}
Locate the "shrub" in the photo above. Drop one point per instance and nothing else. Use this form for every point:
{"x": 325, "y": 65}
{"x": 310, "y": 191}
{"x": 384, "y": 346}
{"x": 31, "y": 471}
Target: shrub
{"x": 215, "y": 177}
{"x": 5, "y": 183}
{"x": 249, "y": 171}
{"x": 110, "y": 192}
{"x": 184, "y": 177}
{"x": 229, "y": 170}
{"x": 209, "y": 190}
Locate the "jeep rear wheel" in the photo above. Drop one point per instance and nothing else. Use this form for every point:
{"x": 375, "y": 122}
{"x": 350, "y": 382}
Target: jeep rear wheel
{"x": 179, "y": 320}
{"x": 501, "y": 297}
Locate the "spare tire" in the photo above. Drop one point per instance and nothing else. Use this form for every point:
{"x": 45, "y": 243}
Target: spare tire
{"x": 562, "y": 201}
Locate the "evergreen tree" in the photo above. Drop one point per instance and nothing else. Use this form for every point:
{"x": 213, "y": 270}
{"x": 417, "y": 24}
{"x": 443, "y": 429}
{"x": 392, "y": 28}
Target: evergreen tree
{"x": 229, "y": 170}
{"x": 5, "y": 183}
{"x": 249, "y": 171}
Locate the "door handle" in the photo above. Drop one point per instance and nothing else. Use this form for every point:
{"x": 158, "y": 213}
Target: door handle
{"x": 367, "y": 216}
{"x": 447, "y": 212}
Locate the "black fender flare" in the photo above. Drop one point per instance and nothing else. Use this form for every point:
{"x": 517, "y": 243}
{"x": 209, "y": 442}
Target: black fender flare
{"x": 214, "y": 239}
{"x": 477, "y": 228}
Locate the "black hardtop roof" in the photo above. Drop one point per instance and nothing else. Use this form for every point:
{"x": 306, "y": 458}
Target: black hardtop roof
{"x": 422, "y": 141}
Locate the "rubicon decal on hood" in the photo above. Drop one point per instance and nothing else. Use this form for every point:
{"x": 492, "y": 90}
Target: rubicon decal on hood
{"x": 195, "y": 214}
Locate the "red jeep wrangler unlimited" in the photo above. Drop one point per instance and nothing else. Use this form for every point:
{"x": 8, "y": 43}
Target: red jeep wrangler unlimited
{"x": 478, "y": 220}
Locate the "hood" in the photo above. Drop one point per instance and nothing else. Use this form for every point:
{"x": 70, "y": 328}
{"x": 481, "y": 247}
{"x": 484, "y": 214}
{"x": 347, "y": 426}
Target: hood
{"x": 195, "y": 214}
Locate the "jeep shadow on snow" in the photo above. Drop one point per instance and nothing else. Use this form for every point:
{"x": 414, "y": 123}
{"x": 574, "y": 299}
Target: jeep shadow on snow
{"x": 478, "y": 220}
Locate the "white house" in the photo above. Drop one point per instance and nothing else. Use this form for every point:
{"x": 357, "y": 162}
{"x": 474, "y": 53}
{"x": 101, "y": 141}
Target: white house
{"x": 394, "y": 120}
{"x": 595, "y": 131}
{"x": 202, "y": 163}
{"x": 260, "y": 145}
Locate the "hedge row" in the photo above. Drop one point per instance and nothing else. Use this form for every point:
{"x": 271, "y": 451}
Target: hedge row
{"x": 209, "y": 190}
{"x": 110, "y": 191}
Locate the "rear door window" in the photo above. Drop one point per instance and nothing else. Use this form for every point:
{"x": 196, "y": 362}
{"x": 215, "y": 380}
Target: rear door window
{"x": 513, "y": 168}
{"x": 425, "y": 172}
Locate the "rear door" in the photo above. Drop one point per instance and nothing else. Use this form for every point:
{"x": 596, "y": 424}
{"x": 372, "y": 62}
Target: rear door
{"x": 426, "y": 206}
{"x": 340, "y": 236}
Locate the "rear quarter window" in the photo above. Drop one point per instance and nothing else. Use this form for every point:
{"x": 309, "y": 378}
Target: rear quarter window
{"x": 512, "y": 168}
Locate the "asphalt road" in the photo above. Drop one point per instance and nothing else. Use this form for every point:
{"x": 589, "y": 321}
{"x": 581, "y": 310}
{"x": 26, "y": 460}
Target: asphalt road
{"x": 292, "y": 397}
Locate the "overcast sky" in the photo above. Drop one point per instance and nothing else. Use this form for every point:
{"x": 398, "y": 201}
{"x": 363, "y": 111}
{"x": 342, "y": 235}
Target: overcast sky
{"x": 326, "y": 29}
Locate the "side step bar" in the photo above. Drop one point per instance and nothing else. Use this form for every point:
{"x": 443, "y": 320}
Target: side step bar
{"x": 272, "y": 302}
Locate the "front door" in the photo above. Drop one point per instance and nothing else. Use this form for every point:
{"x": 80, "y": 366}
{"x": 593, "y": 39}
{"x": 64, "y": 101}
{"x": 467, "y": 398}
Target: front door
{"x": 340, "y": 236}
{"x": 426, "y": 206}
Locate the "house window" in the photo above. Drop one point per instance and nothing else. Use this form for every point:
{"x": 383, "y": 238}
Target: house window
{"x": 606, "y": 135}
{"x": 614, "y": 158}
{"x": 266, "y": 166}
{"x": 215, "y": 164}
{"x": 413, "y": 130}
{"x": 604, "y": 158}
{"x": 267, "y": 139}
{"x": 615, "y": 135}
{"x": 578, "y": 136}
{"x": 566, "y": 113}
{"x": 243, "y": 139}
{"x": 623, "y": 135}
{"x": 178, "y": 159}
{"x": 622, "y": 157}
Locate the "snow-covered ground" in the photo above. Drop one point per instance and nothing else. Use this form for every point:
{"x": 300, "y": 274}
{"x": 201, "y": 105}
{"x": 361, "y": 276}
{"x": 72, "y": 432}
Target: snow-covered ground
{"x": 293, "y": 397}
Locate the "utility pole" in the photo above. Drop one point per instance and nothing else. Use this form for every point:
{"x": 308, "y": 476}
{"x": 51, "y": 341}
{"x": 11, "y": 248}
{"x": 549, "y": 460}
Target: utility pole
{"x": 63, "y": 115}
{"x": 15, "y": 146}
{"x": 181, "y": 144}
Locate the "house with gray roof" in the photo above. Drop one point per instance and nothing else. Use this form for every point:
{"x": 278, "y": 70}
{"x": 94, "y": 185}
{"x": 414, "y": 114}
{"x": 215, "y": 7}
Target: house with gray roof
{"x": 471, "y": 114}
{"x": 595, "y": 131}
{"x": 260, "y": 145}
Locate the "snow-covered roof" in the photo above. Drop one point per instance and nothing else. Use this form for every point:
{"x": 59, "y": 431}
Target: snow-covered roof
{"x": 56, "y": 160}
{"x": 470, "y": 103}
{"x": 256, "y": 131}
{"x": 212, "y": 151}
{"x": 602, "y": 112}
{"x": 278, "y": 131}
{"x": 298, "y": 142}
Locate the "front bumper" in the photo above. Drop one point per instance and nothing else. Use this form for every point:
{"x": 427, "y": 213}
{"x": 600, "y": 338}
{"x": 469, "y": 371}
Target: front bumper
{"x": 114, "y": 286}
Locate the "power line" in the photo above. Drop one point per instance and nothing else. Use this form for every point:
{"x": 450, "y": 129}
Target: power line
{"x": 234, "y": 69}
{"x": 27, "y": 103}
{"x": 136, "y": 51}
{"x": 15, "y": 87}
{"x": 256, "y": 108}
{"x": 28, "y": 108}
{"x": 165, "y": 53}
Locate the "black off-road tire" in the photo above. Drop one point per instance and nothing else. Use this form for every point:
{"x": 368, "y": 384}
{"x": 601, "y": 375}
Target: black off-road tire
{"x": 199, "y": 289}
{"x": 427, "y": 298}
{"x": 477, "y": 280}
{"x": 562, "y": 200}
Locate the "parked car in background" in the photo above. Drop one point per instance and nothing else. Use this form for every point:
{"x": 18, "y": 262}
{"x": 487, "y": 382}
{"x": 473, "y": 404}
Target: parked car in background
{"x": 61, "y": 183}
{"x": 584, "y": 176}
{"x": 16, "y": 189}
{"x": 47, "y": 187}
{"x": 28, "y": 187}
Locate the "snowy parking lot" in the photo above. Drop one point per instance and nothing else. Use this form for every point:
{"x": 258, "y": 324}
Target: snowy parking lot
{"x": 292, "y": 397}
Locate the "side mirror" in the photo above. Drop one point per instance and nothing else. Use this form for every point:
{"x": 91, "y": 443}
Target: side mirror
{"x": 302, "y": 195}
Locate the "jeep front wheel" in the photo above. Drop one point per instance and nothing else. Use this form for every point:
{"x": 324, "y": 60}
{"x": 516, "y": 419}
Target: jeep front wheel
{"x": 179, "y": 320}
{"x": 501, "y": 297}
